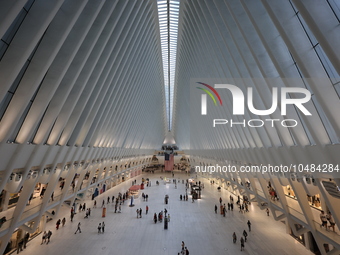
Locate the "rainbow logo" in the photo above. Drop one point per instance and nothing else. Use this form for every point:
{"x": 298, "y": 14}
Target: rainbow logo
{"x": 204, "y": 97}
{"x": 209, "y": 93}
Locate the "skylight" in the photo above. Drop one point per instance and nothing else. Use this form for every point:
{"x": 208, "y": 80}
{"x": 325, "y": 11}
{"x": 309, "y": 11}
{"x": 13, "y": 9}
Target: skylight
{"x": 168, "y": 11}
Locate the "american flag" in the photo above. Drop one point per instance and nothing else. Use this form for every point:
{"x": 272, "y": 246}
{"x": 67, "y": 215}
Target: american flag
{"x": 169, "y": 162}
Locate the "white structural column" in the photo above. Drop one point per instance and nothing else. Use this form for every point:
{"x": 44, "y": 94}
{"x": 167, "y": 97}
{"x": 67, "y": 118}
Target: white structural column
{"x": 263, "y": 45}
{"x": 75, "y": 74}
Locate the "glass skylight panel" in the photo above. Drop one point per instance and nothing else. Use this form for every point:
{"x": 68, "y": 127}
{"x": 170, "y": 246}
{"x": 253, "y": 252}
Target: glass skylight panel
{"x": 168, "y": 24}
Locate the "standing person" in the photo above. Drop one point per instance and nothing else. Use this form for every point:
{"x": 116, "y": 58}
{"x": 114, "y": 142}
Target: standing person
{"x": 220, "y": 200}
{"x": 146, "y": 209}
{"x": 94, "y": 204}
{"x": 84, "y": 206}
{"x": 108, "y": 200}
{"x": 234, "y": 237}
{"x": 140, "y": 212}
{"x": 78, "y": 228}
{"x": 63, "y": 221}
{"x": 323, "y": 219}
{"x": 72, "y": 215}
{"x": 120, "y": 208}
{"x": 186, "y": 251}
{"x": 49, "y": 234}
{"x": 26, "y": 237}
{"x": 155, "y": 218}
{"x": 103, "y": 203}
{"x": 42, "y": 192}
{"x": 103, "y": 227}
{"x": 80, "y": 207}
{"x": 242, "y": 243}
{"x": 215, "y": 208}
{"x": 183, "y": 245}
{"x": 99, "y": 228}
{"x": 43, "y": 237}
{"x": 249, "y": 225}
{"x": 29, "y": 200}
{"x": 331, "y": 221}
{"x": 20, "y": 244}
{"x": 137, "y": 213}
{"x": 245, "y": 234}
{"x": 267, "y": 211}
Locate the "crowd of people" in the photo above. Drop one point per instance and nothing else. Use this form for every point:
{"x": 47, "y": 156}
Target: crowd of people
{"x": 118, "y": 200}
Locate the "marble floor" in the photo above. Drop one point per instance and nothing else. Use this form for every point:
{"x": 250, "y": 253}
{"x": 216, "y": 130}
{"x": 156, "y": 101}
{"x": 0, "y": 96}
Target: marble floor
{"x": 203, "y": 231}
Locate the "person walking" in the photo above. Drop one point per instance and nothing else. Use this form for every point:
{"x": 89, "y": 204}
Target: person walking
{"x": 140, "y": 212}
{"x": 245, "y": 234}
{"x": 267, "y": 211}
{"x": 249, "y": 225}
{"x": 43, "y": 237}
{"x": 99, "y": 228}
{"x": 49, "y": 234}
{"x": 215, "y": 208}
{"x": 78, "y": 228}
{"x": 146, "y": 209}
{"x": 137, "y": 213}
{"x": 103, "y": 203}
{"x": 63, "y": 221}
{"x": 72, "y": 215}
{"x": 242, "y": 243}
{"x": 94, "y": 204}
{"x": 103, "y": 227}
{"x": 155, "y": 218}
{"x": 58, "y": 224}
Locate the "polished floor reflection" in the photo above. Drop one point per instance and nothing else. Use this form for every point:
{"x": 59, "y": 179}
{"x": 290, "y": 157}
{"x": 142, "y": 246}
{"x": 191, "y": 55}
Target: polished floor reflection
{"x": 203, "y": 231}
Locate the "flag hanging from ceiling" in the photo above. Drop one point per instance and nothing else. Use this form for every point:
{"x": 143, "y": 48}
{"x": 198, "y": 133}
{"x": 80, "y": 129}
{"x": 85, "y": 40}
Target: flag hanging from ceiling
{"x": 168, "y": 162}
